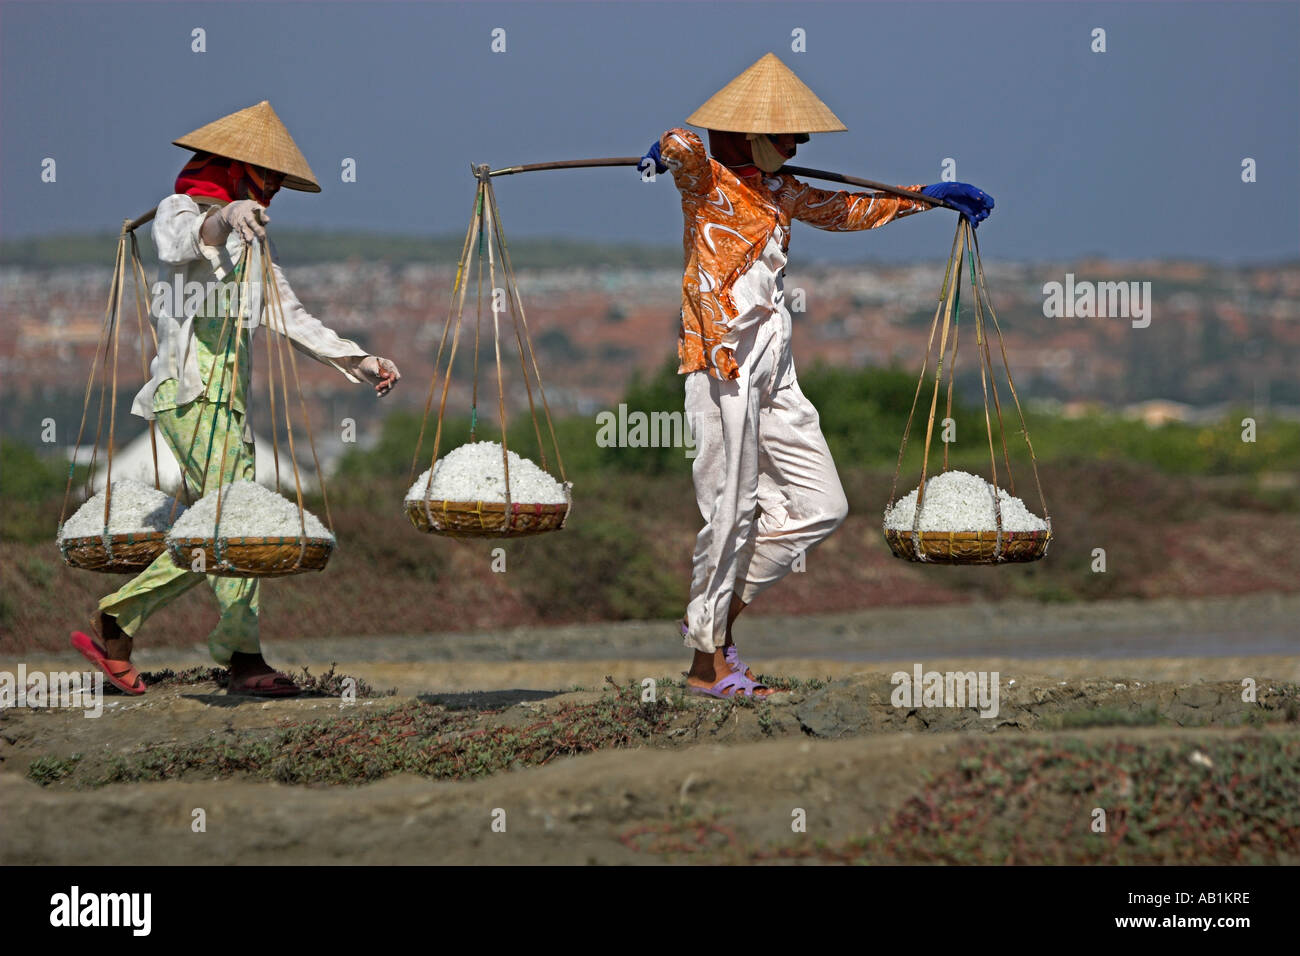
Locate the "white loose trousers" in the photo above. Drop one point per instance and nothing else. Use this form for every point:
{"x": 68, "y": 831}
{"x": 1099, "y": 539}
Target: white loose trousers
{"x": 759, "y": 449}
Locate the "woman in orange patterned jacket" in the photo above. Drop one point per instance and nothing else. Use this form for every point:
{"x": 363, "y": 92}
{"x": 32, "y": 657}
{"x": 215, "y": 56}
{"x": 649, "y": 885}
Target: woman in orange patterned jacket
{"x": 759, "y": 447}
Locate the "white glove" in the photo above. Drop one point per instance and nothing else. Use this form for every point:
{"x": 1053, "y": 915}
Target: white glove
{"x": 244, "y": 216}
{"x": 379, "y": 372}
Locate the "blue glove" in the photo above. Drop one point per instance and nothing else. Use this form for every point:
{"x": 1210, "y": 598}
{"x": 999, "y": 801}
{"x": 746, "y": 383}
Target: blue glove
{"x": 652, "y": 154}
{"x": 975, "y": 204}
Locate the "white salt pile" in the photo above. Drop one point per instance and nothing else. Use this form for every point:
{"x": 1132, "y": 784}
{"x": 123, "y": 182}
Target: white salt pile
{"x": 474, "y": 473}
{"x": 247, "y": 511}
{"x": 134, "y": 508}
{"x": 960, "y": 501}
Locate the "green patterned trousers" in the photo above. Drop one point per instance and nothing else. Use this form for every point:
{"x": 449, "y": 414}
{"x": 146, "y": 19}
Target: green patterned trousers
{"x": 163, "y": 582}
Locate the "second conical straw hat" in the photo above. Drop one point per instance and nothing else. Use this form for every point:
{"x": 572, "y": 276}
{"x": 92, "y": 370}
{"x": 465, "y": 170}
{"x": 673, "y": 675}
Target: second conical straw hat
{"x": 255, "y": 135}
{"x": 766, "y": 98}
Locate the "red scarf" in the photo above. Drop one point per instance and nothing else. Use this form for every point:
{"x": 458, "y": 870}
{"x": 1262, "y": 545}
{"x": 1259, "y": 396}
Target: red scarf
{"x": 222, "y": 178}
{"x": 733, "y": 151}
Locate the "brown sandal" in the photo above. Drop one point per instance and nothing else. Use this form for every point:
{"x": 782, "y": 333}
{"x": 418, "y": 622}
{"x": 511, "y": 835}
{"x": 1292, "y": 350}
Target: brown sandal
{"x": 264, "y": 685}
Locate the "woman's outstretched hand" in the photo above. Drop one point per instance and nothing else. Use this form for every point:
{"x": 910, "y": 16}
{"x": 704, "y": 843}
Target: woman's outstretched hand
{"x": 975, "y": 204}
{"x": 379, "y": 372}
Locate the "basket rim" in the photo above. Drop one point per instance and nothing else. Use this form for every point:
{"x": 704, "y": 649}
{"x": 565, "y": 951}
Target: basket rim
{"x": 249, "y": 541}
{"x": 124, "y": 537}
{"x": 967, "y": 535}
{"x": 447, "y": 504}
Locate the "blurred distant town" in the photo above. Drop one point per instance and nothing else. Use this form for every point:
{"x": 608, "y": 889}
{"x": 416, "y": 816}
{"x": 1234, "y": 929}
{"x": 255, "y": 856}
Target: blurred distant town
{"x": 1219, "y": 336}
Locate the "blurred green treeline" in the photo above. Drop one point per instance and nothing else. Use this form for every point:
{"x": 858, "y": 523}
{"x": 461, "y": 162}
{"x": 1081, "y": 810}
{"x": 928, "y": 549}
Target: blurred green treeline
{"x": 863, "y": 413}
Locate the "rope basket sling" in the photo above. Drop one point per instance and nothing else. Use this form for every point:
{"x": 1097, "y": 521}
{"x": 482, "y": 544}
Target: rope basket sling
{"x": 475, "y": 519}
{"x": 998, "y": 545}
{"x": 256, "y": 556}
{"x": 121, "y": 553}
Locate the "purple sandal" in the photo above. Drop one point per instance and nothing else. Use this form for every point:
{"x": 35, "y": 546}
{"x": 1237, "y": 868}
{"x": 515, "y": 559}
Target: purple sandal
{"x": 736, "y": 682}
{"x": 733, "y": 659}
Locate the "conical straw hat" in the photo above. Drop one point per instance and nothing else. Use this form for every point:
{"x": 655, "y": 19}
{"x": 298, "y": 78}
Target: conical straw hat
{"x": 766, "y": 98}
{"x": 255, "y": 136}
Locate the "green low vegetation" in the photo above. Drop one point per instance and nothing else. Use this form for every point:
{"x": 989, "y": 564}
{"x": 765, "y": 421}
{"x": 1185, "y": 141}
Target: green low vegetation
{"x": 1032, "y": 802}
{"x": 409, "y": 738}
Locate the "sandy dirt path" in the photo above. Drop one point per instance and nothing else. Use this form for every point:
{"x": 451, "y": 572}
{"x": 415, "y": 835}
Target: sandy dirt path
{"x": 1168, "y": 639}
{"x": 839, "y": 752}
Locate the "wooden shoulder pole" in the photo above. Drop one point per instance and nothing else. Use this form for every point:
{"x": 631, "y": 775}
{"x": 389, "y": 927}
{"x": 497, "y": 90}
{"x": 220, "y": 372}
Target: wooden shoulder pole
{"x": 792, "y": 170}
{"x": 139, "y": 221}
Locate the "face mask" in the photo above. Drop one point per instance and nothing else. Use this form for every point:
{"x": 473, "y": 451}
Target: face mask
{"x": 254, "y": 182}
{"x": 766, "y": 156}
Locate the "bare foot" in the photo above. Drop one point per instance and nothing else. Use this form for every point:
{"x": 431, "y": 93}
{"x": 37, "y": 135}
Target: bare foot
{"x": 116, "y": 642}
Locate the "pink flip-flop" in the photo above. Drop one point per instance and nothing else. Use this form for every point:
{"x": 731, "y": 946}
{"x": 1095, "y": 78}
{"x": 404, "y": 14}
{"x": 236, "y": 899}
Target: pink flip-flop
{"x": 121, "y": 674}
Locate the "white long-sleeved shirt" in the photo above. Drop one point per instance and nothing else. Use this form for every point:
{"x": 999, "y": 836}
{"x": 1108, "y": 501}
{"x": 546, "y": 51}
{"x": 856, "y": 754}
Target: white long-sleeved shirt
{"x": 759, "y": 295}
{"x": 184, "y": 259}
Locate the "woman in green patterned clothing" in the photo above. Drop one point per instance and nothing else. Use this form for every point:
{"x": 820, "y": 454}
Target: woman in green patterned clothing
{"x": 206, "y": 232}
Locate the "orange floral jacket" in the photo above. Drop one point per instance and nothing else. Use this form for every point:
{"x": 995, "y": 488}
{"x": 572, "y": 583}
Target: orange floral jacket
{"x": 728, "y": 221}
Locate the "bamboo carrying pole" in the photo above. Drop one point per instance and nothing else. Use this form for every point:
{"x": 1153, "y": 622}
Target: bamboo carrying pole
{"x": 139, "y": 221}
{"x": 792, "y": 170}
{"x": 804, "y": 171}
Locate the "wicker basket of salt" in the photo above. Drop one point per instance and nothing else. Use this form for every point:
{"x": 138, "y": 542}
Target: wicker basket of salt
{"x": 117, "y": 531}
{"x": 956, "y": 517}
{"x": 114, "y": 553}
{"x": 121, "y": 529}
{"x": 968, "y": 547}
{"x": 242, "y": 529}
{"x": 257, "y": 534}
{"x": 464, "y": 495}
{"x": 962, "y": 522}
{"x": 481, "y": 489}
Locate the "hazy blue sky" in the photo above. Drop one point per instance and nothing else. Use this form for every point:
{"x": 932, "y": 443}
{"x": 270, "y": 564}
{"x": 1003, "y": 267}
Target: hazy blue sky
{"x": 1135, "y": 152}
